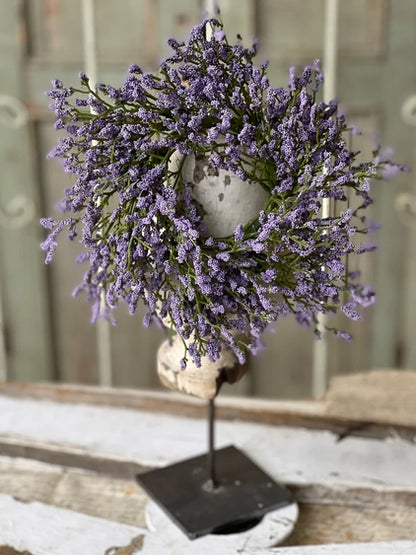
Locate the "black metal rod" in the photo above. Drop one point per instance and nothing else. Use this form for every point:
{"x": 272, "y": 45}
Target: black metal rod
{"x": 212, "y": 476}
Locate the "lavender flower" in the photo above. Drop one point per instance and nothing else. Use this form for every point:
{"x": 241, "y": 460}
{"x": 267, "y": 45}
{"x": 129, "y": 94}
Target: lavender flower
{"x": 142, "y": 231}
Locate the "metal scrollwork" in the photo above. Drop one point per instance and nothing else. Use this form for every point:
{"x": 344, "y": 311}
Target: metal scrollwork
{"x": 406, "y": 207}
{"x": 13, "y": 113}
{"x": 409, "y": 110}
{"x": 18, "y": 213}
{"x": 20, "y": 210}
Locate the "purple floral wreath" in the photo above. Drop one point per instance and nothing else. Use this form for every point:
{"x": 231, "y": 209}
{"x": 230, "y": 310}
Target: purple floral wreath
{"x": 142, "y": 230}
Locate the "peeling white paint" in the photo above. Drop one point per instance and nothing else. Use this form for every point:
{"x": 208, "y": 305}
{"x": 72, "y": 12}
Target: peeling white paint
{"x": 288, "y": 454}
{"x": 44, "y": 530}
{"x": 226, "y": 200}
{"x": 291, "y": 455}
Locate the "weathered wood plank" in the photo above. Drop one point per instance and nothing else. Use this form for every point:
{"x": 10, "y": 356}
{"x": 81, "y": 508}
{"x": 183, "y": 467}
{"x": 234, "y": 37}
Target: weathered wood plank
{"x": 355, "y": 490}
{"x": 322, "y": 524}
{"x": 387, "y": 396}
{"x": 69, "y": 457}
{"x": 40, "y": 529}
{"x": 121, "y": 500}
{"x": 91, "y": 493}
{"x": 296, "y": 456}
{"x": 23, "y": 277}
{"x": 306, "y": 413}
{"x": 114, "y": 466}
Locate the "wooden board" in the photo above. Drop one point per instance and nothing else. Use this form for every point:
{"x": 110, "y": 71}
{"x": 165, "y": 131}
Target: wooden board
{"x": 30, "y": 485}
{"x": 90, "y": 493}
{"x": 387, "y": 396}
{"x": 307, "y": 413}
{"x": 59, "y": 531}
{"x": 121, "y": 500}
{"x": 358, "y": 489}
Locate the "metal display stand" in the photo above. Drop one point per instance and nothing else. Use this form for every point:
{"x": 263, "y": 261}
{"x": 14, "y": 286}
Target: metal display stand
{"x": 220, "y": 492}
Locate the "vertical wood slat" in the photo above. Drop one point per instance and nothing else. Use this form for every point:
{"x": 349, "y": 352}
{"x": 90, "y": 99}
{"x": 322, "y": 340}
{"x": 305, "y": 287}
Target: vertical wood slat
{"x": 73, "y": 333}
{"x": 394, "y": 313}
{"x": 404, "y": 137}
{"x": 319, "y": 367}
{"x": 103, "y": 335}
{"x": 25, "y": 303}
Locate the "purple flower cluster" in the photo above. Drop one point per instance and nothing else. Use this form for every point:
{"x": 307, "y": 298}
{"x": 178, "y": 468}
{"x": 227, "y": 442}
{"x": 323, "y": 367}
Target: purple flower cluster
{"x": 142, "y": 230}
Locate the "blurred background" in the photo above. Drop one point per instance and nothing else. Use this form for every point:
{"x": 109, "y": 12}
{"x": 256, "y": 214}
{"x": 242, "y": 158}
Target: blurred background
{"x": 45, "y": 334}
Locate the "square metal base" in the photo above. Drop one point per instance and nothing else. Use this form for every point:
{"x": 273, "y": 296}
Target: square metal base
{"x": 244, "y": 493}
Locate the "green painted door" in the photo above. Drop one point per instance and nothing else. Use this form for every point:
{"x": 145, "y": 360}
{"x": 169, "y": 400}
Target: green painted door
{"x": 27, "y": 342}
{"x": 45, "y": 333}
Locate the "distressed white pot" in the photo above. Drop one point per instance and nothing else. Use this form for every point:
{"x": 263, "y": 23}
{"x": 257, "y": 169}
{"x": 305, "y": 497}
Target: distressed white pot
{"x": 204, "y": 382}
{"x": 226, "y": 201}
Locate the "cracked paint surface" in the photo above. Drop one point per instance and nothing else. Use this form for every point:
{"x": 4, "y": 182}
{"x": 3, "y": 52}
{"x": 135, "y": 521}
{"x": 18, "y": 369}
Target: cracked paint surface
{"x": 224, "y": 200}
{"x": 134, "y": 546}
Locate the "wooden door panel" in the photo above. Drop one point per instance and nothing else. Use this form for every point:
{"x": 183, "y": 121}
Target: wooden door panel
{"x": 23, "y": 285}
{"x": 293, "y": 29}
{"x": 375, "y": 75}
{"x": 391, "y": 340}
{"x": 73, "y": 332}
{"x": 122, "y": 29}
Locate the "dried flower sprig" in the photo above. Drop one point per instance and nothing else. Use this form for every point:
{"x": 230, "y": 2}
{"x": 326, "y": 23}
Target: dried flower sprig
{"x": 142, "y": 230}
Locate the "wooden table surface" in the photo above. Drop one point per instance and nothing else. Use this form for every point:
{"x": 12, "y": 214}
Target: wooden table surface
{"x": 69, "y": 454}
